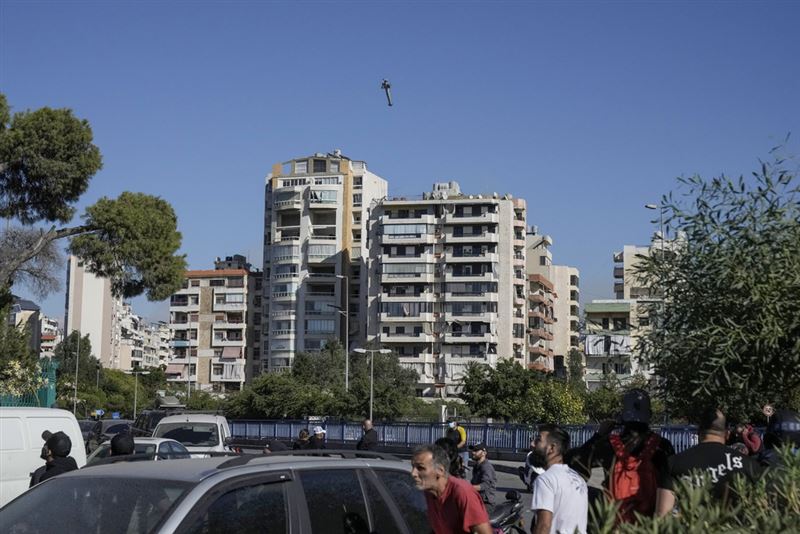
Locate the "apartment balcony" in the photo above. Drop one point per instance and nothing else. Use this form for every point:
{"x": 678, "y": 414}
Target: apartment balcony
{"x": 422, "y": 258}
{"x": 283, "y": 334}
{"x": 488, "y": 257}
{"x": 475, "y": 277}
{"x": 486, "y": 237}
{"x": 228, "y": 306}
{"x": 423, "y": 219}
{"x": 537, "y": 350}
{"x": 465, "y": 317}
{"x": 484, "y": 218}
{"x": 407, "y": 337}
{"x": 619, "y": 272}
{"x": 539, "y": 333}
{"x": 322, "y": 238}
{"x": 319, "y": 203}
{"x": 520, "y": 223}
{"x": 183, "y": 326}
{"x": 408, "y": 297}
{"x": 284, "y": 296}
{"x": 226, "y": 342}
{"x": 519, "y": 260}
{"x": 408, "y": 239}
{"x": 540, "y": 315}
{"x": 183, "y": 306}
{"x": 322, "y": 258}
{"x": 285, "y": 276}
{"x": 519, "y": 301}
{"x": 182, "y": 378}
{"x": 470, "y": 337}
{"x": 415, "y": 278}
{"x": 619, "y": 287}
{"x": 291, "y": 204}
{"x": 178, "y": 343}
{"x": 421, "y": 318}
{"x": 471, "y": 296}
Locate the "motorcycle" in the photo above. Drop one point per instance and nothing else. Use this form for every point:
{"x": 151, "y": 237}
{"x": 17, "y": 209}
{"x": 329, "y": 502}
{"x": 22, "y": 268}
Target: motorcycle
{"x": 506, "y": 517}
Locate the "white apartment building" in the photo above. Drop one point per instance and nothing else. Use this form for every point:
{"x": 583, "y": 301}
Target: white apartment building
{"x": 316, "y": 208}
{"x": 447, "y": 283}
{"x": 51, "y": 336}
{"x": 554, "y": 290}
{"x": 212, "y": 319}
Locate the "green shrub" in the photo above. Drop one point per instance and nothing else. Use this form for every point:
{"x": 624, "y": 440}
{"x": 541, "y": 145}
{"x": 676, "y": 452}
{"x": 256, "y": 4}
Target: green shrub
{"x": 772, "y": 504}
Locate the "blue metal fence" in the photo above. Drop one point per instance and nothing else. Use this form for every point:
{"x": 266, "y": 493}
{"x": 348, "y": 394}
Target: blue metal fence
{"x": 512, "y": 438}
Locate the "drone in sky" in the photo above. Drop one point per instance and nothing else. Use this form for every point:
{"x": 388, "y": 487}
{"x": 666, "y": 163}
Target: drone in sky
{"x": 387, "y": 88}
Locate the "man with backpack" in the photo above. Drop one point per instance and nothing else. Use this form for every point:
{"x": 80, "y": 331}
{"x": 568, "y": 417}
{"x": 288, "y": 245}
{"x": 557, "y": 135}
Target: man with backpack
{"x": 634, "y": 458}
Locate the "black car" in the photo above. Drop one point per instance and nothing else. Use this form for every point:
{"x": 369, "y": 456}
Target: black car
{"x": 146, "y": 422}
{"x": 104, "y": 430}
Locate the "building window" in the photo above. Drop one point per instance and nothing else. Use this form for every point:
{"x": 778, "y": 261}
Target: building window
{"x": 334, "y": 166}
{"x": 320, "y": 165}
{"x": 357, "y": 198}
{"x": 300, "y": 167}
{"x": 217, "y": 282}
{"x": 195, "y": 283}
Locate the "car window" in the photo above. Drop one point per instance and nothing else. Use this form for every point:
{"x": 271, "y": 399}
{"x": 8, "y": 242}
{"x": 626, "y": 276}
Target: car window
{"x": 383, "y": 520}
{"x": 260, "y": 508}
{"x": 93, "y": 504}
{"x": 190, "y": 434}
{"x": 407, "y": 497}
{"x": 335, "y": 501}
{"x": 165, "y": 451}
{"x": 116, "y": 429}
{"x": 178, "y": 450}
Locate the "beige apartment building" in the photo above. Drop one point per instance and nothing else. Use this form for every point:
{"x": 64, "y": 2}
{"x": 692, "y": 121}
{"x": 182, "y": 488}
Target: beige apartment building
{"x": 447, "y": 283}
{"x": 316, "y": 210}
{"x": 213, "y": 326}
{"x": 554, "y": 306}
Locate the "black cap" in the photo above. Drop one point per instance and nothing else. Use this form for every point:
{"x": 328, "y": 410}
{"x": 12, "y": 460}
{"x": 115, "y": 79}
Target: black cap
{"x": 58, "y": 443}
{"x": 636, "y": 407}
{"x": 480, "y": 446}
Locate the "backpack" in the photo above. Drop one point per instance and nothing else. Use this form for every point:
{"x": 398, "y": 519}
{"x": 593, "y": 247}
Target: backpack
{"x": 633, "y": 480}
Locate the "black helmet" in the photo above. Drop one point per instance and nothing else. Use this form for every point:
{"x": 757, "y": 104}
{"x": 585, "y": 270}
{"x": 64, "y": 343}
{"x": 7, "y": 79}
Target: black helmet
{"x": 785, "y": 426}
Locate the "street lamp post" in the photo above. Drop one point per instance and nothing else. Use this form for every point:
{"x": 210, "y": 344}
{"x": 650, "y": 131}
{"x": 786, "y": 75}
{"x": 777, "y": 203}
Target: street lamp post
{"x": 75, "y": 388}
{"x": 660, "y": 209}
{"x": 372, "y": 371}
{"x": 136, "y": 387}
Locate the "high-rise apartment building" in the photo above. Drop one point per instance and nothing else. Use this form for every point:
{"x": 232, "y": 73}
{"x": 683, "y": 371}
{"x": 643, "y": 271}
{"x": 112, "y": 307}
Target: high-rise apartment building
{"x": 316, "y": 208}
{"x": 447, "y": 283}
{"x": 212, "y": 324}
{"x": 609, "y": 342}
{"x": 554, "y": 306}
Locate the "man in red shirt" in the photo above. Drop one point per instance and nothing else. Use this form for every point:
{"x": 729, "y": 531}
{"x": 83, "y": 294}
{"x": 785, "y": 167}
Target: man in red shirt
{"x": 454, "y": 507}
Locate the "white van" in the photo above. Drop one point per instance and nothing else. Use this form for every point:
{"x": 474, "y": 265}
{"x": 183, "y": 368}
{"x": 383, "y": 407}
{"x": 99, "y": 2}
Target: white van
{"x": 21, "y": 444}
{"x": 200, "y": 433}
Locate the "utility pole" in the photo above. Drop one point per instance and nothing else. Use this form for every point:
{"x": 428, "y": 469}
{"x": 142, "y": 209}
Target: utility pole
{"x": 75, "y": 388}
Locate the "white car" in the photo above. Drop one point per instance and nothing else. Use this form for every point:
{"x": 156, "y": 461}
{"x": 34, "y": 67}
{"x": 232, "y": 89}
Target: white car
{"x": 199, "y": 433}
{"x": 147, "y": 448}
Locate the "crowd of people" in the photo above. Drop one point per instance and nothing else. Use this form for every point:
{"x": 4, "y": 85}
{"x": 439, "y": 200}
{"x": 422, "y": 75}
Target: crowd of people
{"x": 641, "y": 469}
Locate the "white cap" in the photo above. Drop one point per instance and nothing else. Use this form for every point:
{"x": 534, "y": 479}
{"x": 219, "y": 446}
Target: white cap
{"x": 318, "y": 430}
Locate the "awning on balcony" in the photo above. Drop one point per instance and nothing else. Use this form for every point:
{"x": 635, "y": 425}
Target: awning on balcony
{"x": 232, "y": 352}
{"x": 174, "y": 368}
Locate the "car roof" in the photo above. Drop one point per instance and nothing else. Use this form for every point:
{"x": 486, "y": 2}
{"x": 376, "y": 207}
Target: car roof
{"x": 198, "y": 469}
{"x": 192, "y": 418}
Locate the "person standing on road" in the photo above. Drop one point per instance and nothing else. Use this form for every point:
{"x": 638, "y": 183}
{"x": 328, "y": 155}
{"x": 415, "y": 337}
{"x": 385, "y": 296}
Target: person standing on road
{"x": 484, "y": 479}
{"x": 454, "y": 507}
{"x": 55, "y": 453}
{"x": 318, "y": 440}
{"x": 302, "y": 442}
{"x": 633, "y": 458}
{"x": 711, "y": 458}
{"x": 458, "y": 436}
{"x": 560, "y": 501}
{"x": 369, "y": 440}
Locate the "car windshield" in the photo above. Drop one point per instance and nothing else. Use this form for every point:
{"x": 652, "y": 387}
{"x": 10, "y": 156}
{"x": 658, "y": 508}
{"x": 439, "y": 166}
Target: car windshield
{"x": 94, "y": 505}
{"x": 104, "y": 450}
{"x": 116, "y": 429}
{"x": 190, "y": 434}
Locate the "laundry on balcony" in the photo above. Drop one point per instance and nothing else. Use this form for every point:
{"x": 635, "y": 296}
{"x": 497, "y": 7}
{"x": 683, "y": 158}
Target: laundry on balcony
{"x": 231, "y": 352}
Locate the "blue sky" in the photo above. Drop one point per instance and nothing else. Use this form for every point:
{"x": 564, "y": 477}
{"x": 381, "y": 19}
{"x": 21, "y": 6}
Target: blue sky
{"x": 587, "y": 109}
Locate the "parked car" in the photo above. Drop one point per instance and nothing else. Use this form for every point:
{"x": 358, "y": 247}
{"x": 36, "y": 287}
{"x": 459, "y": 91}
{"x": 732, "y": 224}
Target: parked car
{"x": 104, "y": 430}
{"x": 146, "y": 422}
{"x": 150, "y": 448}
{"x": 21, "y": 444}
{"x": 198, "y": 432}
{"x": 357, "y": 492}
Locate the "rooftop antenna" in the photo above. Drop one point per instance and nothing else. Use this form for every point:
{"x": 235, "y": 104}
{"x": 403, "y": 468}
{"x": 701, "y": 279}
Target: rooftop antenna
{"x": 387, "y": 88}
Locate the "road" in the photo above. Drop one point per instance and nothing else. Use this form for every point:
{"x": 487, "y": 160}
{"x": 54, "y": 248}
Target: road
{"x": 507, "y": 481}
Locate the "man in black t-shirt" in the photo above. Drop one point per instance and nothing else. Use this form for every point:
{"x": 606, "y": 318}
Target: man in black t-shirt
{"x": 710, "y": 458}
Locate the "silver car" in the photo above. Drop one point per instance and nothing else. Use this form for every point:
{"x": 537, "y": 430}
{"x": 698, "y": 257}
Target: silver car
{"x": 355, "y": 493}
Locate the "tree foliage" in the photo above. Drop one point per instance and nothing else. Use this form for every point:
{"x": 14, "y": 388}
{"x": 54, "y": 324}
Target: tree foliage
{"x": 47, "y": 160}
{"x": 513, "y": 393}
{"x": 728, "y": 327}
{"x": 316, "y": 386}
{"x": 19, "y": 370}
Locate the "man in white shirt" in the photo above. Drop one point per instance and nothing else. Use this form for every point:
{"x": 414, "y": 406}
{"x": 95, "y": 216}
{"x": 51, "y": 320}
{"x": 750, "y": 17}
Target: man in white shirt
{"x": 560, "y": 498}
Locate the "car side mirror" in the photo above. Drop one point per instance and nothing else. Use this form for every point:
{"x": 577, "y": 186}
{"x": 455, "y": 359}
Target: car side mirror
{"x": 228, "y": 440}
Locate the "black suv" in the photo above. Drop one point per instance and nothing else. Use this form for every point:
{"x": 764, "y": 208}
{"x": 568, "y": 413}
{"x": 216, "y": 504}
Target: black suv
{"x": 146, "y": 422}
